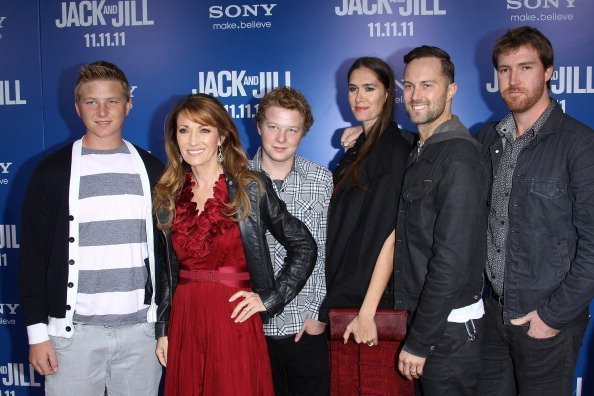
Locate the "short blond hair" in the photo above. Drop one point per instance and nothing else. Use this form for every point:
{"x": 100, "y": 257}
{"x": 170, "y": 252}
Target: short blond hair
{"x": 101, "y": 70}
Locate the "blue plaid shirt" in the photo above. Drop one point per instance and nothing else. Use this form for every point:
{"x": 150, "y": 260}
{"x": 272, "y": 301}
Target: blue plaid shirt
{"x": 306, "y": 190}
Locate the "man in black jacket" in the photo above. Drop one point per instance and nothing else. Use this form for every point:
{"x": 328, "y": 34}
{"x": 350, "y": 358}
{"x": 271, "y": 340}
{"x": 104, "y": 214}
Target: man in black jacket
{"x": 540, "y": 239}
{"x": 440, "y": 234}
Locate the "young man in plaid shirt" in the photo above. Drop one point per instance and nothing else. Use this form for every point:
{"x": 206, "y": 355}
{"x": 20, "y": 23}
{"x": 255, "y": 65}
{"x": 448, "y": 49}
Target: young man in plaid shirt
{"x": 297, "y": 341}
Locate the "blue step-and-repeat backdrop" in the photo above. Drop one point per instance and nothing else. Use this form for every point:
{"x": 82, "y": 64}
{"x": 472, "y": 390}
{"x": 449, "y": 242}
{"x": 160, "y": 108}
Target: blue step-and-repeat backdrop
{"x": 237, "y": 51}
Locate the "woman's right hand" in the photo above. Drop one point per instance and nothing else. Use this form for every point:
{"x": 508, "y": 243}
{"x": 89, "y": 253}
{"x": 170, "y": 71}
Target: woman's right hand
{"x": 350, "y": 135}
{"x": 250, "y": 304}
{"x": 161, "y": 350}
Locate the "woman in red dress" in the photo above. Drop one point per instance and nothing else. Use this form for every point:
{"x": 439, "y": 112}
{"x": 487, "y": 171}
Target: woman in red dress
{"x": 216, "y": 274}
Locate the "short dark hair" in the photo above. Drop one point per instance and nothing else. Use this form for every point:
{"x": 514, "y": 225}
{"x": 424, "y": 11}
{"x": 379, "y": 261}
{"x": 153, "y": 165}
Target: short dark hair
{"x": 286, "y": 98}
{"x": 525, "y": 35}
{"x": 101, "y": 70}
{"x": 428, "y": 51}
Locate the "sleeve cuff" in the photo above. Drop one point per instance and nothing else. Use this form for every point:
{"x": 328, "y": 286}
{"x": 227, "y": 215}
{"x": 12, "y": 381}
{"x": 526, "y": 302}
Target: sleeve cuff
{"x": 416, "y": 348}
{"x": 37, "y": 333}
{"x": 549, "y": 320}
{"x": 271, "y": 302}
{"x": 160, "y": 329}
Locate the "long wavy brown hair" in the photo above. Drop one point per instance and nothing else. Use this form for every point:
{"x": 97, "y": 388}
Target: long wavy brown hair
{"x": 205, "y": 110}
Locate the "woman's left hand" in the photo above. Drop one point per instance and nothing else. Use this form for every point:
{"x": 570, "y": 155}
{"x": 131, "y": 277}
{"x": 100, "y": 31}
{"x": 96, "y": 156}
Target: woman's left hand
{"x": 250, "y": 304}
{"x": 363, "y": 330}
{"x": 349, "y": 136}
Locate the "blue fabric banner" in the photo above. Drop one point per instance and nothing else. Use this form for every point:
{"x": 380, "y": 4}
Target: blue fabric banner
{"x": 237, "y": 51}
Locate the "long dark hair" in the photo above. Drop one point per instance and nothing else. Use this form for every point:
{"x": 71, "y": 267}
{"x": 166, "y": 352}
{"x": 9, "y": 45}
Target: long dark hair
{"x": 385, "y": 75}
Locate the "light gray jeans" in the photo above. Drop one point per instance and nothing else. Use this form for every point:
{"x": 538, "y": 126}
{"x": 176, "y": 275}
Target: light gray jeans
{"x": 118, "y": 359}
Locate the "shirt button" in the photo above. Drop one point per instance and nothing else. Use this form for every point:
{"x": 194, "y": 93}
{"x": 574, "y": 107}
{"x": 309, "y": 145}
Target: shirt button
{"x": 71, "y": 262}
{"x": 498, "y": 250}
{"x": 71, "y": 239}
{"x": 67, "y": 307}
{"x": 70, "y": 284}
{"x": 70, "y": 217}
{"x": 68, "y": 328}
{"x": 502, "y": 222}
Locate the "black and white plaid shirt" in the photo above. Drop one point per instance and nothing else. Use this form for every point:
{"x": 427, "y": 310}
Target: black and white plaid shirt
{"x": 306, "y": 190}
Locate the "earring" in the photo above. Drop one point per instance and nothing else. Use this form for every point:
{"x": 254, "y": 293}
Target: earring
{"x": 181, "y": 158}
{"x": 219, "y": 154}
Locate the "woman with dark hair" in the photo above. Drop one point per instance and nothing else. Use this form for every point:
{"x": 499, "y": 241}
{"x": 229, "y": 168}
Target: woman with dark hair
{"x": 364, "y": 205}
{"x": 214, "y": 212}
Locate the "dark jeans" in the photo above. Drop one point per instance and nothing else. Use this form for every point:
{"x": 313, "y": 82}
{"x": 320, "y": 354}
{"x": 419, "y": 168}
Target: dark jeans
{"x": 515, "y": 363}
{"x": 454, "y": 365}
{"x": 300, "y": 368}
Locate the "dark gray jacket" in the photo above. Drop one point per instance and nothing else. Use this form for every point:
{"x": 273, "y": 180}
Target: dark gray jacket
{"x": 268, "y": 212}
{"x": 550, "y": 245}
{"x": 440, "y": 247}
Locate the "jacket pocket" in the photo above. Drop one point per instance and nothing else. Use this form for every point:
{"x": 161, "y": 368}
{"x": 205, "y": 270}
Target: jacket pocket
{"x": 420, "y": 205}
{"x": 563, "y": 255}
{"x": 418, "y": 190}
{"x": 548, "y": 262}
{"x": 548, "y": 189}
{"x": 542, "y": 206}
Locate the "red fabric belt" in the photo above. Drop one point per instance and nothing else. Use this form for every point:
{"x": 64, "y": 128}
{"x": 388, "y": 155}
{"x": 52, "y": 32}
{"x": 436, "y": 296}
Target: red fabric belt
{"x": 229, "y": 276}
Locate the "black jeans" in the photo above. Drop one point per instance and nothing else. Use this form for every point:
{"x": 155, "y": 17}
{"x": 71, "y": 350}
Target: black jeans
{"x": 300, "y": 368}
{"x": 515, "y": 363}
{"x": 454, "y": 365}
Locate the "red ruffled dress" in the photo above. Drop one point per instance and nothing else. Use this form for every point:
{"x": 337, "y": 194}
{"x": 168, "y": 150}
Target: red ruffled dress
{"x": 210, "y": 354}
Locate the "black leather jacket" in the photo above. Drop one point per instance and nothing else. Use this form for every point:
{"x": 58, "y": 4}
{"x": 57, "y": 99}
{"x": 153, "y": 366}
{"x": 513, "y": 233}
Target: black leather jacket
{"x": 440, "y": 247}
{"x": 268, "y": 212}
{"x": 549, "y": 263}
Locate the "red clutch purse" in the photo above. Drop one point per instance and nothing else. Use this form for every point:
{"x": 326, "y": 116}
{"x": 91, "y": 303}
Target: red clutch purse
{"x": 359, "y": 369}
{"x": 390, "y": 323}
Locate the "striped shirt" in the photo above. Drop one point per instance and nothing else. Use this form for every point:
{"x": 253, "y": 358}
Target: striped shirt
{"x": 306, "y": 190}
{"x": 112, "y": 240}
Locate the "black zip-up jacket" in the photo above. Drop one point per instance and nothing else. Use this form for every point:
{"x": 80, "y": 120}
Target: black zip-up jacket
{"x": 549, "y": 263}
{"x": 441, "y": 227}
{"x": 268, "y": 212}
